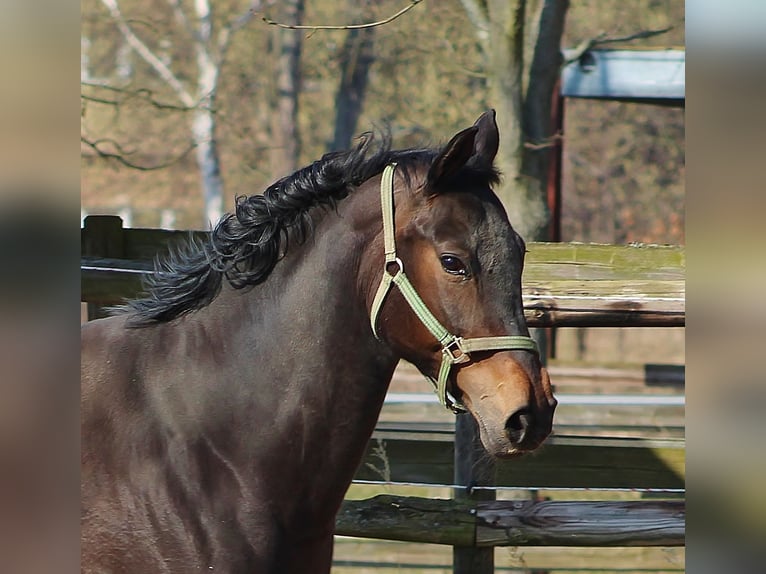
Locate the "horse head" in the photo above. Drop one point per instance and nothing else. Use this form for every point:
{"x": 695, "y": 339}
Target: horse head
{"x": 464, "y": 327}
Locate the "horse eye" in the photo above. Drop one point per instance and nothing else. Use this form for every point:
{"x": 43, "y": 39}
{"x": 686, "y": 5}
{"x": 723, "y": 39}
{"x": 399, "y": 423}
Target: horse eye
{"x": 453, "y": 265}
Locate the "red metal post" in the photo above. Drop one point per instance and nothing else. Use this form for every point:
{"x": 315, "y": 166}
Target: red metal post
{"x": 555, "y": 165}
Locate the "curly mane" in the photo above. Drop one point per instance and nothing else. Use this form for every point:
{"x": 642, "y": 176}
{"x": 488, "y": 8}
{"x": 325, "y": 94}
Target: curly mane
{"x": 245, "y": 245}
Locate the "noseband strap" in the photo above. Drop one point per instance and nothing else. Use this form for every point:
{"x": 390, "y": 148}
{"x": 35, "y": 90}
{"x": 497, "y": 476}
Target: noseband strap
{"x": 455, "y": 350}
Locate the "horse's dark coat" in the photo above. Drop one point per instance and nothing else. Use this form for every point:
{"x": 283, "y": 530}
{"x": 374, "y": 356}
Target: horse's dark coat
{"x": 223, "y": 416}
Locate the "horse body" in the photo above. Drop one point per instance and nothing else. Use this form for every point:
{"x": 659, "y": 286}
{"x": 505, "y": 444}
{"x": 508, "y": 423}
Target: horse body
{"x": 224, "y": 439}
{"x": 267, "y": 494}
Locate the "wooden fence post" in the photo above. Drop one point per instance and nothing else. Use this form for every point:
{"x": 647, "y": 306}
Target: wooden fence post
{"x": 545, "y": 344}
{"x": 473, "y": 467}
{"x": 102, "y": 237}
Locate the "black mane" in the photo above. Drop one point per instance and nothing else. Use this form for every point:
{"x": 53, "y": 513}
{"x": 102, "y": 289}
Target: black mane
{"x": 245, "y": 245}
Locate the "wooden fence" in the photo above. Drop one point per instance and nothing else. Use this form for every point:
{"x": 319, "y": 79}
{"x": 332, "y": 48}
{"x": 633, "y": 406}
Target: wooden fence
{"x": 564, "y": 284}
{"x": 515, "y": 523}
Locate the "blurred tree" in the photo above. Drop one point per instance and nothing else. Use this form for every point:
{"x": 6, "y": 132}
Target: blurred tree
{"x": 428, "y": 76}
{"x": 521, "y": 89}
{"x": 208, "y": 41}
{"x": 286, "y": 148}
{"x": 356, "y": 57}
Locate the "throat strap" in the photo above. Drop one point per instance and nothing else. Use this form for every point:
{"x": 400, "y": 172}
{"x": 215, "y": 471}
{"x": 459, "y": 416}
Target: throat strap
{"x": 455, "y": 349}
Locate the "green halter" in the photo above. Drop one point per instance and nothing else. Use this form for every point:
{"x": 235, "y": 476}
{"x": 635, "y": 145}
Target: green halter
{"x": 455, "y": 349}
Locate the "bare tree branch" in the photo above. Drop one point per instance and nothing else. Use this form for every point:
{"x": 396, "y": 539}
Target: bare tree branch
{"x": 101, "y": 100}
{"x": 412, "y": 4}
{"x": 149, "y": 57}
{"x": 603, "y": 39}
{"x": 547, "y": 143}
{"x": 120, "y": 154}
{"x": 143, "y": 93}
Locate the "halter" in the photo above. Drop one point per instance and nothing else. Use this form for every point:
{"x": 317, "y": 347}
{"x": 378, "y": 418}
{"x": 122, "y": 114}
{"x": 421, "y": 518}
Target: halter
{"x": 455, "y": 350}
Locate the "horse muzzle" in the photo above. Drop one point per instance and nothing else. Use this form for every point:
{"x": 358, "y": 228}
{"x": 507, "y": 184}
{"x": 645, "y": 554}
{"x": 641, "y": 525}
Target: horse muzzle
{"x": 514, "y": 413}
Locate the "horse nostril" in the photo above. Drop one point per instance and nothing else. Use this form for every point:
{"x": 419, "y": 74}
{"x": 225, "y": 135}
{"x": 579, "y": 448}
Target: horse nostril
{"x": 517, "y": 425}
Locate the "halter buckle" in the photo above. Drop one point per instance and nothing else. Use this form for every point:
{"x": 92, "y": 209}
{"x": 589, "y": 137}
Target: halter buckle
{"x": 455, "y": 353}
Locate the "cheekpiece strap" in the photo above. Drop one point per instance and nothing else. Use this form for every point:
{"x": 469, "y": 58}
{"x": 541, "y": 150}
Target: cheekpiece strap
{"x": 387, "y": 203}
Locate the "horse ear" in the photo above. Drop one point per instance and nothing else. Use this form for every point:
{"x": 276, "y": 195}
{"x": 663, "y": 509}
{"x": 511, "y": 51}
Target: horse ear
{"x": 487, "y": 140}
{"x": 452, "y": 157}
{"x": 475, "y": 146}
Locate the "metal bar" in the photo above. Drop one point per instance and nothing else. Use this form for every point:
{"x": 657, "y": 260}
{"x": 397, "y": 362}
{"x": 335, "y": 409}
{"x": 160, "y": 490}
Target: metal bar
{"x": 564, "y": 399}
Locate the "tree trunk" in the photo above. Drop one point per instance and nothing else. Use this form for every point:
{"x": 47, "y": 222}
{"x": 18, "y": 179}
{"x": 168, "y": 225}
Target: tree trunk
{"x": 538, "y": 124}
{"x": 505, "y": 65}
{"x": 200, "y": 102}
{"x": 208, "y": 161}
{"x": 357, "y": 55}
{"x": 523, "y": 120}
{"x": 284, "y": 125}
{"x": 204, "y": 122}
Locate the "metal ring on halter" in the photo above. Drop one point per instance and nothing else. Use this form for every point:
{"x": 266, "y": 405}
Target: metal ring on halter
{"x": 398, "y": 262}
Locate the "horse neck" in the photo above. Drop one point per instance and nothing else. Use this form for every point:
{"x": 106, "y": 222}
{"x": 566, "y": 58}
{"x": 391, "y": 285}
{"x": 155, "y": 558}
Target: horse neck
{"x": 306, "y": 377}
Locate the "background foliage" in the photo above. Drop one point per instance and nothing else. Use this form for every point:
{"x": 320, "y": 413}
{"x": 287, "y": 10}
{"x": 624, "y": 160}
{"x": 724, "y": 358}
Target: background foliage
{"x": 624, "y": 163}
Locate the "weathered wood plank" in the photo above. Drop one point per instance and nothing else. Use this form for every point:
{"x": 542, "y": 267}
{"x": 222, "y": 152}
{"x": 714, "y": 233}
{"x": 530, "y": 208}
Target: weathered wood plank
{"x": 599, "y": 261}
{"x": 409, "y": 519}
{"x": 581, "y": 523}
{"x": 137, "y": 243}
{"x": 578, "y": 284}
{"x": 515, "y": 523}
{"x": 562, "y": 462}
{"x": 108, "y": 281}
{"x": 555, "y": 311}
{"x": 102, "y": 236}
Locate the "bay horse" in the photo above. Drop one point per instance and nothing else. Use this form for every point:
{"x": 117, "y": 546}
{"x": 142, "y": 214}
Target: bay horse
{"x": 225, "y": 414}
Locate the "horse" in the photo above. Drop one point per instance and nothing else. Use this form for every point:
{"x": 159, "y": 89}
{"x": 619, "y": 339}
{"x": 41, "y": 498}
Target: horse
{"x": 224, "y": 413}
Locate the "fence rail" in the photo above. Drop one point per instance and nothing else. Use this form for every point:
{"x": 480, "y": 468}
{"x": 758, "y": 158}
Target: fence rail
{"x": 414, "y": 454}
{"x": 515, "y": 522}
{"x": 565, "y": 284}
